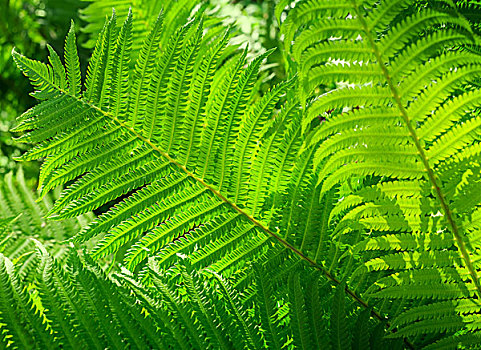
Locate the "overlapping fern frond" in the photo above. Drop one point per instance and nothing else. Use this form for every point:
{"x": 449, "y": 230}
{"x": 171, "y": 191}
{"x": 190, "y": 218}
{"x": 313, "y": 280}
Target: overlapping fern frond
{"x": 178, "y": 147}
{"x": 75, "y": 305}
{"x": 188, "y": 159}
{"x": 381, "y": 195}
{"x": 22, "y": 219}
{"x": 402, "y": 129}
{"x": 176, "y": 13}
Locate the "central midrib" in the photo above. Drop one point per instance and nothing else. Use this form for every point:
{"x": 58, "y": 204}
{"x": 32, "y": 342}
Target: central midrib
{"x": 234, "y": 206}
{"x": 421, "y": 151}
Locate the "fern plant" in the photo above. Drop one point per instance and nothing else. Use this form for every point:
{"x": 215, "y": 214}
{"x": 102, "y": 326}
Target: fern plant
{"x": 22, "y": 219}
{"x": 364, "y": 165}
{"x": 77, "y": 305}
{"x": 402, "y": 129}
{"x": 182, "y": 150}
{"x": 176, "y": 13}
{"x": 194, "y": 167}
{"x": 248, "y": 21}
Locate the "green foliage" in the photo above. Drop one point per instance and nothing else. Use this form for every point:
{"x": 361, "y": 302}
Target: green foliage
{"x": 191, "y": 162}
{"x": 21, "y": 220}
{"x": 337, "y": 210}
{"x": 77, "y": 305}
{"x": 396, "y": 94}
{"x": 176, "y": 13}
{"x": 27, "y": 25}
{"x": 253, "y": 24}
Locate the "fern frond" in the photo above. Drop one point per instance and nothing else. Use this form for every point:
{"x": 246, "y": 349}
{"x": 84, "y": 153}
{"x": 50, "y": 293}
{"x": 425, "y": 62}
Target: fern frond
{"x": 190, "y": 161}
{"x": 18, "y": 320}
{"x": 298, "y": 312}
{"x": 393, "y": 84}
{"x": 72, "y": 64}
{"x": 175, "y": 14}
{"x": 339, "y": 335}
{"x": 22, "y": 214}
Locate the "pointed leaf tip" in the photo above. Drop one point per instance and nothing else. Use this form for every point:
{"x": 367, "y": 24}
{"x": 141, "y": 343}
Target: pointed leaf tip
{"x": 270, "y": 51}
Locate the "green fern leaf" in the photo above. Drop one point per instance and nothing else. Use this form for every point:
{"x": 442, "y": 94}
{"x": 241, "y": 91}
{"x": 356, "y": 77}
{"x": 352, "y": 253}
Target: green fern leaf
{"x": 399, "y": 140}
{"x": 150, "y": 133}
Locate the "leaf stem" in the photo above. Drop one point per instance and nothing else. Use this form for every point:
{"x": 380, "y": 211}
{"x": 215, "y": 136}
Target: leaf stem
{"x": 257, "y": 223}
{"x": 234, "y": 206}
{"x": 422, "y": 154}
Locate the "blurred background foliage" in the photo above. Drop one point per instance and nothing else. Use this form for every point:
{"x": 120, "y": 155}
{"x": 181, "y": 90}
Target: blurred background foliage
{"x": 29, "y": 25}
